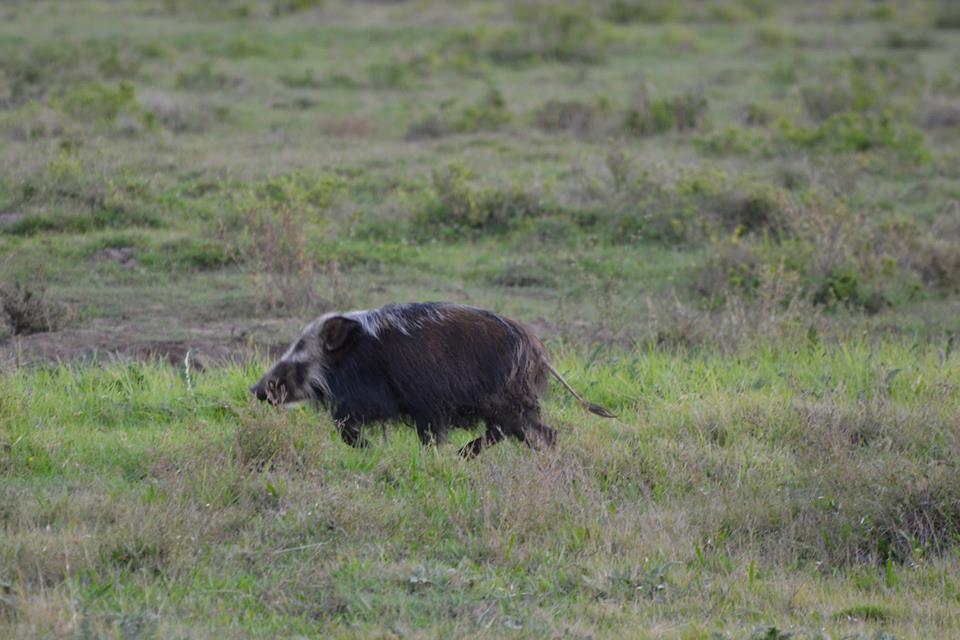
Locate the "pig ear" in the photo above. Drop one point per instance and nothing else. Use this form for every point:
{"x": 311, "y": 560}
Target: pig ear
{"x": 336, "y": 331}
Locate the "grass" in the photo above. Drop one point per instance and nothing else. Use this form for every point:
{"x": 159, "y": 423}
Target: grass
{"x": 734, "y": 222}
{"x": 769, "y": 490}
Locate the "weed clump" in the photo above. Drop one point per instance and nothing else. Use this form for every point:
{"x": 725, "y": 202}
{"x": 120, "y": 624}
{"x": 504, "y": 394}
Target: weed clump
{"x": 575, "y": 116}
{"x": 627, "y": 203}
{"x": 488, "y": 113}
{"x": 648, "y": 116}
{"x": 100, "y": 102}
{"x": 27, "y": 309}
{"x": 268, "y": 439}
{"x": 948, "y": 16}
{"x": 285, "y": 7}
{"x": 853, "y": 131}
{"x": 73, "y": 193}
{"x": 629, "y": 11}
{"x": 203, "y": 77}
{"x": 455, "y": 206}
{"x": 277, "y": 223}
{"x": 549, "y": 32}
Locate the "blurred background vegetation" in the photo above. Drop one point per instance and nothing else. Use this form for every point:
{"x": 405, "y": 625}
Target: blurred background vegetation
{"x": 736, "y": 223}
{"x": 631, "y": 172}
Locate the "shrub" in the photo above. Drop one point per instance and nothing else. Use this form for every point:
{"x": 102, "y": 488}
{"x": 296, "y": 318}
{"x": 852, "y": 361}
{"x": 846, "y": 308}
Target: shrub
{"x": 948, "y": 16}
{"x": 647, "y": 116}
{"x": 902, "y": 40}
{"x": 309, "y": 80}
{"x": 733, "y": 266}
{"x": 101, "y": 102}
{"x": 283, "y": 7}
{"x": 940, "y": 114}
{"x": 488, "y": 113}
{"x": 34, "y": 121}
{"x": 72, "y": 193}
{"x": 566, "y": 115}
{"x": 273, "y": 440}
{"x": 389, "y": 75}
{"x": 455, "y": 206}
{"x": 26, "y": 309}
{"x": 822, "y": 100}
{"x": 656, "y": 11}
{"x": 846, "y": 287}
{"x": 182, "y": 116}
{"x": 629, "y": 203}
{"x": 680, "y": 39}
{"x": 854, "y": 131}
{"x": 277, "y": 222}
{"x": 773, "y": 36}
{"x": 550, "y": 32}
{"x": 203, "y": 77}
{"x": 731, "y": 141}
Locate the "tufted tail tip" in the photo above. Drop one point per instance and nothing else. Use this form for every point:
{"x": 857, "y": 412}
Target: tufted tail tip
{"x": 598, "y": 410}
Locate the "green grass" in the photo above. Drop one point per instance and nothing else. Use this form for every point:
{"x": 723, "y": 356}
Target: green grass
{"x": 735, "y": 222}
{"x": 785, "y": 487}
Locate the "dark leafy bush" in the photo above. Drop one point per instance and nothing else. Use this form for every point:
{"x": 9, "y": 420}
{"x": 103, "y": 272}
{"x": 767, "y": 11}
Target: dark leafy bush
{"x": 847, "y": 288}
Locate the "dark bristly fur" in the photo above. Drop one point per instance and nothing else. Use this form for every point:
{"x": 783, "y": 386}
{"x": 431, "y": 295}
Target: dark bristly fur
{"x": 441, "y": 365}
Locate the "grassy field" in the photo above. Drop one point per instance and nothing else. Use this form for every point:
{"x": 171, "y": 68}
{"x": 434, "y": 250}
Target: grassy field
{"x": 735, "y": 223}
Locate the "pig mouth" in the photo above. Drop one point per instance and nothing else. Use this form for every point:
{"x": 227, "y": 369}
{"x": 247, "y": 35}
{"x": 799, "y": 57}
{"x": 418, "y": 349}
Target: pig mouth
{"x": 276, "y": 393}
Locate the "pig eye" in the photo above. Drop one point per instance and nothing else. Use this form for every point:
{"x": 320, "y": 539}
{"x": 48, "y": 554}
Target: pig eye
{"x": 300, "y": 346}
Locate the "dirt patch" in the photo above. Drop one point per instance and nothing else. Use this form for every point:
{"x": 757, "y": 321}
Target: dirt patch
{"x": 121, "y": 255}
{"x": 10, "y": 218}
{"x": 110, "y": 341}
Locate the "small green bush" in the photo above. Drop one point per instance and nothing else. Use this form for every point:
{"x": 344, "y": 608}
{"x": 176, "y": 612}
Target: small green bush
{"x": 731, "y": 141}
{"x": 284, "y": 7}
{"x": 654, "y": 12}
{"x": 575, "y": 116}
{"x": 488, "y": 113}
{"x": 773, "y": 36}
{"x": 73, "y": 194}
{"x": 101, "y": 102}
{"x": 456, "y": 207}
{"x": 203, "y": 77}
{"x": 907, "y": 40}
{"x": 648, "y": 116}
{"x": 549, "y": 32}
{"x": 389, "y": 75}
{"x": 857, "y": 132}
